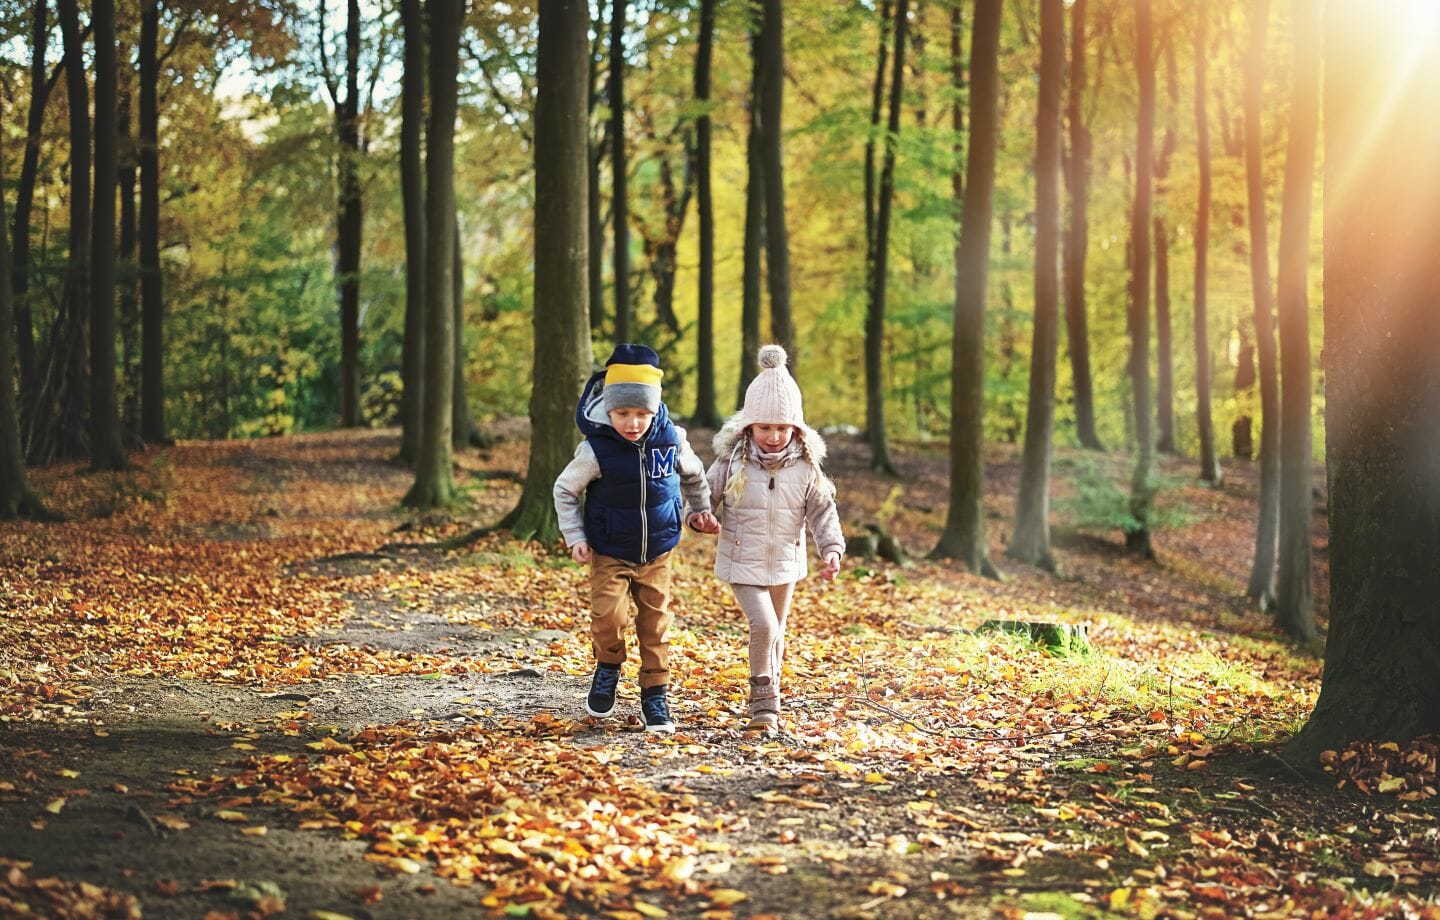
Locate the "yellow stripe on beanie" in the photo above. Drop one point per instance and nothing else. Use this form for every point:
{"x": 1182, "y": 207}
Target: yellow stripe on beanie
{"x": 633, "y": 373}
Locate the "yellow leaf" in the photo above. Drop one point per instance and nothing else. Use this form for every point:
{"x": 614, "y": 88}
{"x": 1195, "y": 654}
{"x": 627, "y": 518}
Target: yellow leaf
{"x": 55, "y": 805}
{"x": 650, "y": 910}
{"x": 874, "y": 777}
{"x": 1119, "y": 898}
{"x": 407, "y": 866}
{"x": 727, "y": 897}
{"x": 228, "y": 815}
{"x": 1393, "y": 784}
{"x": 242, "y": 746}
{"x": 505, "y": 848}
{"x": 174, "y": 822}
{"x": 326, "y": 915}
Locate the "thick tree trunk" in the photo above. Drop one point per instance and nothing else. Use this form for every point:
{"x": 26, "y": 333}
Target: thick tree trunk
{"x": 463, "y": 432}
{"x": 1204, "y": 422}
{"x": 16, "y": 497}
{"x": 1077, "y": 238}
{"x": 125, "y": 268}
{"x": 1262, "y": 573}
{"x": 434, "y": 485}
{"x": 595, "y": 155}
{"x": 880, "y": 460}
{"x": 754, "y": 242}
{"x": 1382, "y": 383}
{"x": 412, "y": 192}
{"x": 619, "y": 206}
{"x": 777, "y": 237}
{"x": 1142, "y": 486}
{"x": 1031, "y": 540}
{"x": 106, "y": 450}
{"x": 1164, "y": 339}
{"x": 349, "y": 224}
{"x": 964, "y": 534}
{"x": 707, "y": 412}
{"x": 957, "y": 109}
{"x": 1294, "y": 608}
{"x": 25, "y": 196}
{"x": 562, "y": 319}
{"x": 152, "y": 304}
{"x": 877, "y": 109}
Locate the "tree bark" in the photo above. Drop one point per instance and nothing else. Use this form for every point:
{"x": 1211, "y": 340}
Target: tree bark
{"x": 619, "y": 206}
{"x": 106, "y": 450}
{"x": 125, "y": 266}
{"x": 463, "y": 432}
{"x": 1077, "y": 238}
{"x": 1204, "y": 422}
{"x": 754, "y": 243}
{"x": 16, "y": 497}
{"x": 1262, "y": 574}
{"x": 349, "y": 223}
{"x": 1164, "y": 340}
{"x": 1382, "y": 383}
{"x": 434, "y": 485}
{"x": 562, "y": 319}
{"x": 595, "y": 156}
{"x": 1031, "y": 540}
{"x": 1294, "y": 607}
{"x": 25, "y": 196}
{"x": 707, "y": 413}
{"x": 1142, "y": 486}
{"x": 880, "y": 460}
{"x": 964, "y": 534}
{"x": 412, "y": 191}
{"x": 152, "y": 304}
{"x": 777, "y": 237}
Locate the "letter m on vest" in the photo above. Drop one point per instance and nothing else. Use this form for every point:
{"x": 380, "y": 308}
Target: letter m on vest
{"x": 662, "y": 462}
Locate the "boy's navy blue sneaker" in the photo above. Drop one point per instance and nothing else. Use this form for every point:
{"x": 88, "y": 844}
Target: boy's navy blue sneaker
{"x": 601, "y": 701}
{"x": 656, "y": 710}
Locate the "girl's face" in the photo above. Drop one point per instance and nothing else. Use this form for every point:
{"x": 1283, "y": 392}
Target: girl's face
{"x": 772, "y": 438}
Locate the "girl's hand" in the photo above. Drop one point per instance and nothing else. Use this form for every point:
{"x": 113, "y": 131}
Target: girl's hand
{"x": 580, "y": 552}
{"x": 703, "y": 522}
{"x": 832, "y": 566}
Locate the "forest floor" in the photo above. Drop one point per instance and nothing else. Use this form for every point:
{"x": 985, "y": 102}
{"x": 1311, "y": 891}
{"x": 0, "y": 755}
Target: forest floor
{"x": 239, "y": 680}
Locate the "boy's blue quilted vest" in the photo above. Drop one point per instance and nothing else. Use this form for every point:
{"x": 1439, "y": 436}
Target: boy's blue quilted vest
{"x": 633, "y": 511}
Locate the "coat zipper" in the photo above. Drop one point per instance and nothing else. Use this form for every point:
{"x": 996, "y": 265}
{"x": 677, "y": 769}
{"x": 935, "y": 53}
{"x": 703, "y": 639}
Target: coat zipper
{"x": 770, "y": 527}
{"x": 644, "y": 522}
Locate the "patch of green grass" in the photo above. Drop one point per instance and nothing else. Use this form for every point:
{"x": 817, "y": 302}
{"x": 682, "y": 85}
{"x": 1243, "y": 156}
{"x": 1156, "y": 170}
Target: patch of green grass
{"x": 1055, "y": 904}
{"x": 507, "y": 558}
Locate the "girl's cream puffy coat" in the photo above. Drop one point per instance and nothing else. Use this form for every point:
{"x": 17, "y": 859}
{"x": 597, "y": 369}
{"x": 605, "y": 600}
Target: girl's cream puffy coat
{"x": 763, "y": 522}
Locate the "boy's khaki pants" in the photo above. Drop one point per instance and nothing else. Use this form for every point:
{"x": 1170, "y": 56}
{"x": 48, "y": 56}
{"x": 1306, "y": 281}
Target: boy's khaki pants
{"x": 613, "y": 582}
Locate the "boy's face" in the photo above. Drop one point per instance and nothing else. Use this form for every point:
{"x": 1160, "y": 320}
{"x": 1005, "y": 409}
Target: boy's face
{"x": 772, "y": 437}
{"x": 631, "y": 423}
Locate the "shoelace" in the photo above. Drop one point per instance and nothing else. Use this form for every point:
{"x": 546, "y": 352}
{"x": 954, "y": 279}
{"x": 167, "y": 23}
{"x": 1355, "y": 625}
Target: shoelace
{"x": 605, "y": 681}
{"x": 656, "y": 709}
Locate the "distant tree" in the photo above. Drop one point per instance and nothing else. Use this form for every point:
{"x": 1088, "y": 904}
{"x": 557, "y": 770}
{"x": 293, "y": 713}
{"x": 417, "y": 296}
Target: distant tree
{"x": 40, "y": 87}
{"x": 596, "y": 155}
{"x": 964, "y": 534}
{"x": 1294, "y": 608}
{"x": 16, "y": 497}
{"x": 879, "y": 260}
{"x": 754, "y": 240}
{"x": 707, "y": 413}
{"x": 1077, "y": 176}
{"x": 1382, "y": 381}
{"x": 777, "y": 237}
{"x": 412, "y": 192}
{"x": 562, "y": 326}
{"x": 619, "y": 205}
{"x": 463, "y": 430}
{"x": 1209, "y": 459}
{"x": 1031, "y": 540}
{"x": 1164, "y": 339}
{"x": 1262, "y": 573}
{"x": 1142, "y": 486}
{"x": 152, "y": 304}
{"x": 127, "y": 177}
{"x": 106, "y": 450}
{"x": 349, "y": 219}
{"x": 434, "y": 478}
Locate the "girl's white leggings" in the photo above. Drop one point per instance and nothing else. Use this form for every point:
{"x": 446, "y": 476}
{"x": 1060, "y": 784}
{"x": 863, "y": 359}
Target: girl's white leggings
{"x": 766, "y": 609}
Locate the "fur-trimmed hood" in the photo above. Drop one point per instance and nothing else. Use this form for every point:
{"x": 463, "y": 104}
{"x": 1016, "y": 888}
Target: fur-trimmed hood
{"x": 732, "y": 434}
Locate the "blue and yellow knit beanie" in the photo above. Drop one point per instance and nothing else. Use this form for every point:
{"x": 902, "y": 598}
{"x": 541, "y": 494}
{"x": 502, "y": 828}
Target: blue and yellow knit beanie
{"x": 632, "y": 379}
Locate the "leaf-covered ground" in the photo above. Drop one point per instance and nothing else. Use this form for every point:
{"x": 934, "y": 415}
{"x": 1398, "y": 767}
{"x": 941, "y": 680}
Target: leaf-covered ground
{"x": 240, "y": 681}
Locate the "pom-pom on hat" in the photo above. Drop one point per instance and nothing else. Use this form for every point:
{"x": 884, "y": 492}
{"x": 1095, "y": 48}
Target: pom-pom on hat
{"x": 773, "y": 398}
{"x": 632, "y": 379}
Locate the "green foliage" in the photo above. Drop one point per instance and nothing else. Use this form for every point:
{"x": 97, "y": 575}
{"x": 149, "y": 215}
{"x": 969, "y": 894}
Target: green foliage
{"x": 1097, "y": 501}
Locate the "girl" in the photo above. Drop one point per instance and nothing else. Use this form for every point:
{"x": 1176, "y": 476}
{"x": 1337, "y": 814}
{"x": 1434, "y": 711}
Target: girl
{"x": 770, "y": 486}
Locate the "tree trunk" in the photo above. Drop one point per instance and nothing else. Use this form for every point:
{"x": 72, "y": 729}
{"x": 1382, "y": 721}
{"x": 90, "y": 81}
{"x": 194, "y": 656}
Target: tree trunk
{"x": 1242, "y": 437}
{"x": 1031, "y": 540}
{"x": 1209, "y": 457}
{"x": 1164, "y": 340}
{"x": 463, "y": 432}
{"x": 1142, "y": 486}
{"x": 619, "y": 206}
{"x": 125, "y": 267}
{"x": 16, "y": 498}
{"x": 1382, "y": 383}
{"x": 595, "y": 155}
{"x": 880, "y": 460}
{"x": 707, "y": 413}
{"x": 877, "y": 99}
{"x": 957, "y": 109}
{"x": 1262, "y": 574}
{"x": 434, "y": 485}
{"x": 25, "y": 196}
{"x": 152, "y": 306}
{"x": 777, "y": 237}
{"x": 562, "y": 319}
{"x": 1294, "y": 608}
{"x": 349, "y": 224}
{"x": 106, "y": 450}
{"x": 964, "y": 534}
{"x": 412, "y": 191}
{"x": 754, "y": 228}
{"x": 1077, "y": 238}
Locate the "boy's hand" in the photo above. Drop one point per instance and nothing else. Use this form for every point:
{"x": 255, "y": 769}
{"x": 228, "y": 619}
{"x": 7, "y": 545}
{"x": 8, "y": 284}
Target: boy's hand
{"x": 704, "y": 522}
{"x": 580, "y": 552}
{"x": 832, "y": 566}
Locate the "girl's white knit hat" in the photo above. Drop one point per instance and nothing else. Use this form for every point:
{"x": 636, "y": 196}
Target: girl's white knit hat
{"x": 773, "y": 398}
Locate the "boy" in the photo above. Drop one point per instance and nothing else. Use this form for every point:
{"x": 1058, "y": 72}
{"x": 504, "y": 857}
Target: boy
{"x": 619, "y": 504}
